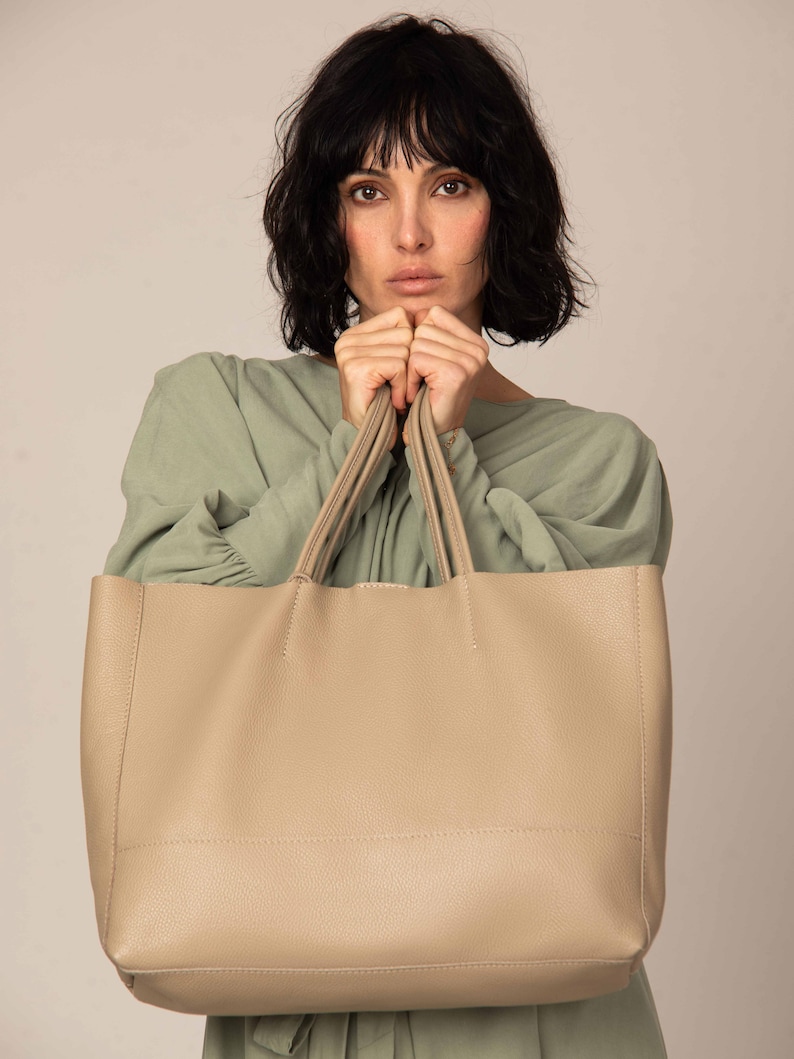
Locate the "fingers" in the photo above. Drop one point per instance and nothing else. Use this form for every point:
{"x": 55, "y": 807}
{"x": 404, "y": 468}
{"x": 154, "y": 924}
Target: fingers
{"x": 449, "y": 358}
{"x": 360, "y": 378}
{"x": 448, "y": 324}
{"x": 446, "y": 354}
{"x": 440, "y": 333}
{"x": 431, "y": 339}
{"x": 394, "y": 317}
{"x": 370, "y": 354}
{"x": 371, "y": 340}
{"x": 444, "y": 370}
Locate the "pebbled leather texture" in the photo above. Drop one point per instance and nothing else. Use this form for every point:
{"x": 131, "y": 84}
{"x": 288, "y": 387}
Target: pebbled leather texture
{"x": 276, "y": 824}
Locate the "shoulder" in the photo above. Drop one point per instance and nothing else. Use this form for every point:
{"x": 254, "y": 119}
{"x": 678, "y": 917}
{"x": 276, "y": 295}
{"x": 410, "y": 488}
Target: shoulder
{"x": 585, "y": 421}
{"x": 611, "y": 436}
{"x": 212, "y": 383}
{"x": 210, "y": 368}
{"x": 573, "y": 459}
{"x": 609, "y": 457}
{"x": 202, "y": 375}
{"x": 273, "y": 401}
{"x": 587, "y": 438}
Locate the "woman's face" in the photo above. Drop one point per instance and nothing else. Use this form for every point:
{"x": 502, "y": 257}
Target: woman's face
{"x": 430, "y": 220}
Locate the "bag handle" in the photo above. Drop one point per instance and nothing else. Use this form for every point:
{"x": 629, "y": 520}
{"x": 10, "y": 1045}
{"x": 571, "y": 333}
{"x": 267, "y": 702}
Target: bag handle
{"x": 368, "y": 449}
{"x": 426, "y": 450}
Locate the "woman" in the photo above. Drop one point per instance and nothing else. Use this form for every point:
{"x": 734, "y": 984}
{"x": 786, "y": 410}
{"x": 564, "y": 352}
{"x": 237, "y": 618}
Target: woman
{"x": 416, "y": 196}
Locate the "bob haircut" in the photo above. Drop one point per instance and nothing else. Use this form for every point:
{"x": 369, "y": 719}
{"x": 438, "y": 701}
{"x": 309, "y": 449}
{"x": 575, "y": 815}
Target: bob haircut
{"x": 444, "y": 96}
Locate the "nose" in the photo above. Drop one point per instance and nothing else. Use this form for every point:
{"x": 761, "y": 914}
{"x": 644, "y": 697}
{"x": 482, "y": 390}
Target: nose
{"x": 412, "y": 228}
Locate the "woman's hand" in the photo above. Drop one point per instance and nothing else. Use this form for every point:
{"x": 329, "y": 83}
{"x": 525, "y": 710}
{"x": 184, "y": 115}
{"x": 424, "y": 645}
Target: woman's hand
{"x": 450, "y": 358}
{"x": 370, "y": 354}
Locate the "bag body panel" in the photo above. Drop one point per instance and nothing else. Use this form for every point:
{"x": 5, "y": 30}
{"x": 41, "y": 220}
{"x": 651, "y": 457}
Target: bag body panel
{"x": 417, "y": 809}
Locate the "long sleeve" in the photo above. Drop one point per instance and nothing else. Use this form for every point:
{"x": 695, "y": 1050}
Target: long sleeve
{"x": 590, "y": 492}
{"x": 208, "y": 504}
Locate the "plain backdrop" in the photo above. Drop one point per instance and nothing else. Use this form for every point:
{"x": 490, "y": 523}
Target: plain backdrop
{"x": 137, "y": 140}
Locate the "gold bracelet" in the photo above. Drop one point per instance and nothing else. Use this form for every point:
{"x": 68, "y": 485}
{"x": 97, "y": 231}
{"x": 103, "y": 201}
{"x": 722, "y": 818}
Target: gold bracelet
{"x": 448, "y": 445}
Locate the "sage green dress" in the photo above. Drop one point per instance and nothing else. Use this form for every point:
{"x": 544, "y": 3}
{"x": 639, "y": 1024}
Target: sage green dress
{"x": 226, "y": 474}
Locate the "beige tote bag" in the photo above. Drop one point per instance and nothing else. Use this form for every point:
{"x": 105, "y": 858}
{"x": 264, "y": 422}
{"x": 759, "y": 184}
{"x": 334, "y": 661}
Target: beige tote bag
{"x": 309, "y": 798}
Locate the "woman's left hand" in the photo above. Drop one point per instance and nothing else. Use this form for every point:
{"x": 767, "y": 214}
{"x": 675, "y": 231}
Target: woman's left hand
{"x": 450, "y": 358}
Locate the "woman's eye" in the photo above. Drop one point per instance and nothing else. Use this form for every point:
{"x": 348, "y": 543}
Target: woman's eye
{"x": 368, "y": 193}
{"x": 452, "y": 187}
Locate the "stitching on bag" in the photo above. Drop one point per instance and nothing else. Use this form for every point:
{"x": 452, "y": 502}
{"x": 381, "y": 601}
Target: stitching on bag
{"x": 380, "y": 838}
{"x": 291, "y": 616}
{"x": 120, "y": 765}
{"x": 376, "y": 970}
{"x": 380, "y": 584}
{"x": 641, "y": 684}
{"x": 469, "y": 608}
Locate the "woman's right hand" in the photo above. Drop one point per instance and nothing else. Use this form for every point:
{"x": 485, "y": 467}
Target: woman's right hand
{"x": 370, "y": 354}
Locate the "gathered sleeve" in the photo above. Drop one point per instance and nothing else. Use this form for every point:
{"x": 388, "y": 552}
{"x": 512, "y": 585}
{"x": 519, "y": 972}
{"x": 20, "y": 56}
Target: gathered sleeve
{"x": 590, "y": 494}
{"x": 208, "y": 505}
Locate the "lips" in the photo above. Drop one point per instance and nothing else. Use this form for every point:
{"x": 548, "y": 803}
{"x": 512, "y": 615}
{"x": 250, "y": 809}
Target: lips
{"x": 415, "y": 280}
{"x": 413, "y": 273}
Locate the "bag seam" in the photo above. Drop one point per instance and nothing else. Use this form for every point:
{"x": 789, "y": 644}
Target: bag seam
{"x": 120, "y": 764}
{"x": 291, "y": 617}
{"x": 586, "y": 962}
{"x": 643, "y": 742}
{"x": 387, "y": 837}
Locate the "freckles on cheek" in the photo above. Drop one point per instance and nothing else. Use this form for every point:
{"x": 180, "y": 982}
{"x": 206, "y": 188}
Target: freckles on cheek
{"x": 359, "y": 243}
{"x": 473, "y": 229}
{"x": 363, "y": 260}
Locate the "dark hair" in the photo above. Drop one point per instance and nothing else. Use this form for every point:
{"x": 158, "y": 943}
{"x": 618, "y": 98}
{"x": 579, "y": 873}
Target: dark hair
{"x": 442, "y": 95}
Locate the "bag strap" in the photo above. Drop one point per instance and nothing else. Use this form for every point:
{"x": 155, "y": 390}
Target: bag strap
{"x": 368, "y": 449}
{"x": 426, "y": 450}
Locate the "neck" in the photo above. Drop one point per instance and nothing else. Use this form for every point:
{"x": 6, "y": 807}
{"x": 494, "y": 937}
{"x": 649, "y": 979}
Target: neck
{"x": 493, "y": 386}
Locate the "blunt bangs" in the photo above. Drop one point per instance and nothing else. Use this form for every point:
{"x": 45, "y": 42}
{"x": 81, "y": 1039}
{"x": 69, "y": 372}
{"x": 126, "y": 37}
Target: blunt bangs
{"x": 437, "y": 95}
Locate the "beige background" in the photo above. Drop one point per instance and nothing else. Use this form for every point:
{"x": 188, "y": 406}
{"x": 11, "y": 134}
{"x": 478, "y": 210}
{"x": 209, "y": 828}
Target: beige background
{"x": 139, "y": 138}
